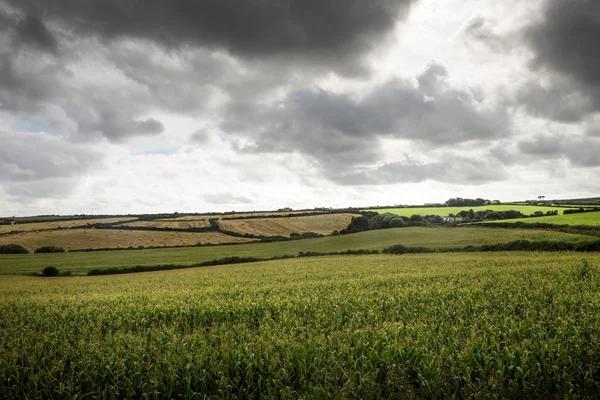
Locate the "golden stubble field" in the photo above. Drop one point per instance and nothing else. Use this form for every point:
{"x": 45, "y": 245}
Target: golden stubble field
{"x": 37, "y": 226}
{"x": 322, "y": 224}
{"x": 171, "y": 224}
{"x": 77, "y": 239}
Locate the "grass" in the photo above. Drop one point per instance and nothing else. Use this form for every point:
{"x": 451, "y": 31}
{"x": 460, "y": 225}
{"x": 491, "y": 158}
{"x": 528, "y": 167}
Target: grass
{"x": 322, "y": 224}
{"x": 74, "y": 239}
{"x": 444, "y": 211}
{"x": 81, "y": 263}
{"x": 587, "y": 218}
{"x": 518, "y": 325}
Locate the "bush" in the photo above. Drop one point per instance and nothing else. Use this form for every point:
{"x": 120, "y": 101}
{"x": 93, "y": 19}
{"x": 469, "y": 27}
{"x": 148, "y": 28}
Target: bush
{"x": 50, "y": 271}
{"x": 12, "y": 249}
{"x": 358, "y": 224}
{"x": 49, "y": 249}
{"x": 310, "y": 235}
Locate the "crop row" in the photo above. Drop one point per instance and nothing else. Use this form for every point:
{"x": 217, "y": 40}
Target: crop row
{"x": 518, "y": 325}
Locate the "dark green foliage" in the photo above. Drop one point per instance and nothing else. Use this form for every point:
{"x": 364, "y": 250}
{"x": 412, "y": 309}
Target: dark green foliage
{"x": 400, "y": 249}
{"x": 305, "y": 235}
{"x": 358, "y": 224}
{"x": 493, "y": 215}
{"x": 12, "y": 249}
{"x": 579, "y": 211}
{"x": 459, "y": 202}
{"x": 385, "y": 221}
{"x": 50, "y": 271}
{"x": 49, "y": 249}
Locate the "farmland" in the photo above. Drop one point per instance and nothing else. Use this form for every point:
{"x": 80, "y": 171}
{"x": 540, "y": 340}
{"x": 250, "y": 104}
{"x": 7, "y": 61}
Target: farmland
{"x": 261, "y": 214}
{"x": 445, "y": 211}
{"x": 588, "y": 218}
{"x": 518, "y": 325}
{"x": 321, "y": 224}
{"x": 36, "y": 226}
{"x": 77, "y": 239}
{"x": 80, "y": 263}
{"x": 170, "y": 224}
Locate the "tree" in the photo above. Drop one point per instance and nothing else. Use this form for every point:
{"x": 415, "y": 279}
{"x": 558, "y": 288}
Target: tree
{"x": 358, "y": 224}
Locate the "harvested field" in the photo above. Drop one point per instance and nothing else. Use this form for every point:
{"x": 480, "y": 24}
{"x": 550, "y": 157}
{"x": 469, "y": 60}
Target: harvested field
{"x": 171, "y": 224}
{"x": 240, "y": 215}
{"x": 36, "y": 226}
{"x": 322, "y": 224}
{"x": 77, "y": 239}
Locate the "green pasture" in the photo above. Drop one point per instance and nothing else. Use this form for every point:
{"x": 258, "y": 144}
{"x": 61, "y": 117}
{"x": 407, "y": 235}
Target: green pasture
{"x": 445, "y": 211}
{"x": 587, "y": 218}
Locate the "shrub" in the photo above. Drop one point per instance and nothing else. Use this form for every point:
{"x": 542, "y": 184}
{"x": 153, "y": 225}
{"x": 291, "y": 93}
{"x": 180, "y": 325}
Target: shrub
{"x": 49, "y": 249}
{"x": 12, "y": 249}
{"x": 50, "y": 271}
{"x": 310, "y": 235}
{"x": 358, "y": 224}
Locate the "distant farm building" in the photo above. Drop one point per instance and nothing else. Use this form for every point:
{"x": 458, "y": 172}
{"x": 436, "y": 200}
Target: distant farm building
{"x": 451, "y": 220}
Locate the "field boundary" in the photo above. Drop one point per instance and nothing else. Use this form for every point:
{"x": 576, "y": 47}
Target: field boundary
{"x": 399, "y": 249}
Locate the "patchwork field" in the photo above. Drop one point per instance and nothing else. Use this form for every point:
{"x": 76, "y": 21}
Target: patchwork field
{"x": 240, "y": 215}
{"x": 515, "y": 325}
{"x": 322, "y": 224}
{"x": 81, "y": 263}
{"x": 445, "y": 211}
{"x": 171, "y": 224}
{"x": 36, "y": 226}
{"x": 588, "y": 218}
{"x": 77, "y": 239}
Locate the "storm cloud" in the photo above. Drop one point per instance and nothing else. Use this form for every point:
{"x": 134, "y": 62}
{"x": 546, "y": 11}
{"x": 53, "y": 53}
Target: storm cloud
{"x": 453, "y": 169}
{"x": 579, "y": 151}
{"x": 334, "y": 32}
{"x": 564, "y": 43}
{"x": 343, "y": 130}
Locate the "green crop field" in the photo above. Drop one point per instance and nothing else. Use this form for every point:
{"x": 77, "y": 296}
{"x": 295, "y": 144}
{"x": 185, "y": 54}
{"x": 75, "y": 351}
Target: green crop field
{"x": 515, "y": 325}
{"x": 588, "y": 218}
{"x": 445, "y": 211}
{"x": 80, "y": 263}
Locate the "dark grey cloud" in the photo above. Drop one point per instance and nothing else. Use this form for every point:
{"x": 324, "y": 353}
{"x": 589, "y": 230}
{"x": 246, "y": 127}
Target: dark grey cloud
{"x": 333, "y": 32}
{"x": 564, "y": 43}
{"x": 344, "y": 130}
{"x": 33, "y": 31}
{"x": 452, "y": 169}
{"x": 39, "y": 156}
{"x": 579, "y": 151}
{"x": 561, "y": 99}
{"x": 33, "y": 83}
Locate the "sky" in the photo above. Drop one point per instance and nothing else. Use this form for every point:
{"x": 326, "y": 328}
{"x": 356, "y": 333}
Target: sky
{"x": 148, "y": 106}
